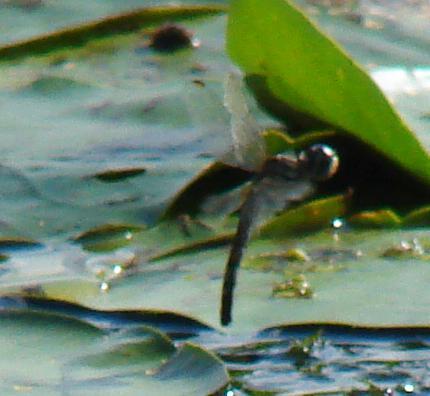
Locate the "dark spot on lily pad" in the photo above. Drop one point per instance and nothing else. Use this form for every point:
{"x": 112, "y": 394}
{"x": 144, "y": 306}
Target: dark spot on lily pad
{"x": 199, "y": 83}
{"x": 116, "y": 175}
{"x": 170, "y": 38}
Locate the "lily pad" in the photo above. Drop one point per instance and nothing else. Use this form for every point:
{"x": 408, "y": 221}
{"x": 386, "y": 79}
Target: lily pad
{"x": 110, "y": 26}
{"x": 190, "y": 284}
{"x": 89, "y": 118}
{"x": 77, "y": 357}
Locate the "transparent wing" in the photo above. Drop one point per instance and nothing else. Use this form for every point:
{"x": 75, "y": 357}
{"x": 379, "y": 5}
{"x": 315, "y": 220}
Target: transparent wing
{"x": 249, "y": 150}
{"x": 277, "y": 194}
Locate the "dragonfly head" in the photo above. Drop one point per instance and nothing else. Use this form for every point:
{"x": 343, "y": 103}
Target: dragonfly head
{"x": 319, "y": 161}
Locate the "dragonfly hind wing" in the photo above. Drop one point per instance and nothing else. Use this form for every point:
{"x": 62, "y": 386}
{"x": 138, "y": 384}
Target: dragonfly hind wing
{"x": 278, "y": 194}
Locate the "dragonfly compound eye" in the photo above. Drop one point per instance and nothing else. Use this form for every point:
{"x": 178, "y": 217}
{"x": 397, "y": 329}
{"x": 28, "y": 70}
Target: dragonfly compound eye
{"x": 320, "y": 162}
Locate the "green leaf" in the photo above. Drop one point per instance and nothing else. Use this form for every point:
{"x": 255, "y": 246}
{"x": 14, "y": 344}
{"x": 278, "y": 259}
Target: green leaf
{"x": 308, "y": 73}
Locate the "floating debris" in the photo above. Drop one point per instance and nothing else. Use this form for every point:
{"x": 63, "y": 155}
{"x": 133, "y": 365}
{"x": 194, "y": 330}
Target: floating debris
{"x": 405, "y": 249}
{"x": 296, "y": 254}
{"x": 296, "y": 287}
{"x": 199, "y": 83}
{"x": 109, "y": 269}
{"x": 331, "y": 255}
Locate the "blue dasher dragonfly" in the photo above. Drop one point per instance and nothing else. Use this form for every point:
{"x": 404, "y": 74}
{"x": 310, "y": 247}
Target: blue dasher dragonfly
{"x": 281, "y": 178}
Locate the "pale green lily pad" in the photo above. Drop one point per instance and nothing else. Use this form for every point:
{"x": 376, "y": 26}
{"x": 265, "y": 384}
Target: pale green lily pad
{"x": 58, "y": 353}
{"x": 89, "y": 33}
{"x": 191, "y": 284}
{"x": 22, "y": 22}
{"x": 107, "y": 108}
{"x": 312, "y": 358}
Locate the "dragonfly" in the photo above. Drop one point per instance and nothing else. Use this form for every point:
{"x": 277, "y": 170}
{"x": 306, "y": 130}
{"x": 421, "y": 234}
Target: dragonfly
{"x": 280, "y": 179}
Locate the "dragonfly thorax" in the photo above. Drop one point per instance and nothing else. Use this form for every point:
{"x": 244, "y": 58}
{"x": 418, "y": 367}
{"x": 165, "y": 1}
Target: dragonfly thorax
{"x": 281, "y": 166}
{"x": 316, "y": 163}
